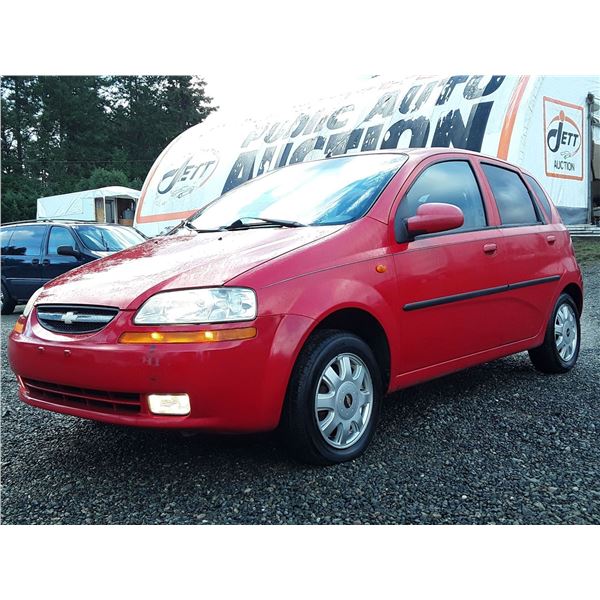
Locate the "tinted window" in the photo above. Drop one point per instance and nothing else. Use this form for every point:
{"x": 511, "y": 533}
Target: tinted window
{"x": 108, "y": 239}
{"x": 60, "y": 236}
{"x": 5, "y": 234}
{"x": 27, "y": 241}
{"x": 539, "y": 192}
{"x": 512, "y": 198}
{"x": 451, "y": 182}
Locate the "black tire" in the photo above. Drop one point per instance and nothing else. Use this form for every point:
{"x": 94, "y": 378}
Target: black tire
{"x": 299, "y": 428}
{"x": 8, "y": 304}
{"x": 546, "y": 358}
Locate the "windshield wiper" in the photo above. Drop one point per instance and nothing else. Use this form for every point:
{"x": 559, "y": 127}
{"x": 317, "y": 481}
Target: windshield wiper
{"x": 260, "y": 222}
{"x": 189, "y": 225}
{"x": 104, "y": 241}
{"x": 194, "y": 228}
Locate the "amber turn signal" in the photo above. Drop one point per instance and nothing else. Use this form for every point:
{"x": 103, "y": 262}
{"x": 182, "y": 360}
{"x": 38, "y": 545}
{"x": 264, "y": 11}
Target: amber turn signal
{"x": 20, "y": 325}
{"x": 187, "y": 337}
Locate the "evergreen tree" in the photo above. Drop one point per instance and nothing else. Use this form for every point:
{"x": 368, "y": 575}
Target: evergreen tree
{"x": 64, "y": 134}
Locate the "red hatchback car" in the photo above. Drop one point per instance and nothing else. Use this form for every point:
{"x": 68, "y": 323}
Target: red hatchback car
{"x": 299, "y": 299}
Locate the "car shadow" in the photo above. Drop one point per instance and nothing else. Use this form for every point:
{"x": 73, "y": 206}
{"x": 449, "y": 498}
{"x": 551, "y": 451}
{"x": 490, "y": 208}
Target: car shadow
{"x": 92, "y": 440}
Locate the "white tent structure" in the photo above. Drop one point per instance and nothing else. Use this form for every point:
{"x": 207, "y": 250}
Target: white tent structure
{"x": 113, "y": 204}
{"x": 548, "y": 125}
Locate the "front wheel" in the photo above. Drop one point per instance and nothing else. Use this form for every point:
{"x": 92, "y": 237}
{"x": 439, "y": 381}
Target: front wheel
{"x": 559, "y": 352}
{"x": 333, "y": 399}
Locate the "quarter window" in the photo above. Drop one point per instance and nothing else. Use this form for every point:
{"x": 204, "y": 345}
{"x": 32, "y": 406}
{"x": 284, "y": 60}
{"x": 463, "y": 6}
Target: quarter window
{"x": 26, "y": 241}
{"x": 451, "y": 182}
{"x": 60, "y": 236}
{"x": 539, "y": 192}
{"x": 512, "y": 198}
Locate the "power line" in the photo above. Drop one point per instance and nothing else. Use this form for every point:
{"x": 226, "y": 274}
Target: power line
{"x": 44, "y": 160}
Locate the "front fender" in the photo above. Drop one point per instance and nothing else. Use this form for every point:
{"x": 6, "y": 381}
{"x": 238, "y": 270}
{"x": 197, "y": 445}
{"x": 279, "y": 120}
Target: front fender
{"x": 319, "y": 295}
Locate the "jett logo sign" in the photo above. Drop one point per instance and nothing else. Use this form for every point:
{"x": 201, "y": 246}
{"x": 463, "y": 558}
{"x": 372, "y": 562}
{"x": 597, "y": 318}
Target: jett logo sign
{"x": 188, "y": 175}
{"x": 563, "y": 143}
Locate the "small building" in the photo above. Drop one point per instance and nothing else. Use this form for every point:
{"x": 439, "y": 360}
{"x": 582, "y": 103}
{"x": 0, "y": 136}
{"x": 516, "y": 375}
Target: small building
{"x": 113, "y": 204}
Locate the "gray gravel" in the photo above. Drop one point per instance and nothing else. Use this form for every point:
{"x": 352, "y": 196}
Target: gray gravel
{"x": 498, "y": 443}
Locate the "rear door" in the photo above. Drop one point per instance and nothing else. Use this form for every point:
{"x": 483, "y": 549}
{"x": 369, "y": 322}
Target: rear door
{"x": 22, "y": 268}
{"x": 450, "y": 283}
{"x": 534, "y": 249}
{"x": 54, "y": 264}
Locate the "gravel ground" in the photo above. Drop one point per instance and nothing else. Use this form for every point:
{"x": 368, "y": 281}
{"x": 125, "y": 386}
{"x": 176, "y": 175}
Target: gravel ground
{"x": 498, "y": 443}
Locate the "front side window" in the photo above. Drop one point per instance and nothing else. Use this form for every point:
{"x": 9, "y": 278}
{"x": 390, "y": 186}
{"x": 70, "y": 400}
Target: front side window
{"x": 326, "y": 192}
{"x": 26, "y": 241}
{"x": 512, "y": 198}
{"x": 60, "y": 236}
{"x": 451, "y": 182}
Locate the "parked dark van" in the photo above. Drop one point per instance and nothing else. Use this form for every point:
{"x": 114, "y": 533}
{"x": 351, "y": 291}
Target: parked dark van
{"x": 34, "y": 252}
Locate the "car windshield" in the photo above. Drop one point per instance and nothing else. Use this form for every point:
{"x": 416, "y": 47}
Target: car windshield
{"x": 326, "y": 192}
{"x": 108, "y": 239}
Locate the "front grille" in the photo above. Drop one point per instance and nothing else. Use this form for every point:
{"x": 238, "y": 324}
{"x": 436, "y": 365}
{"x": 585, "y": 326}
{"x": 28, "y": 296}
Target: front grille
{"x": 75, "y": 319}
{"x": 96, "y": 400}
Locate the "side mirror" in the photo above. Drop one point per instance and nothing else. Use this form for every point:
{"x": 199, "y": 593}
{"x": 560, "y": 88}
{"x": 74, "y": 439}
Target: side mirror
{"x": 433, "y": 218}
{"x": 68, "y": 251}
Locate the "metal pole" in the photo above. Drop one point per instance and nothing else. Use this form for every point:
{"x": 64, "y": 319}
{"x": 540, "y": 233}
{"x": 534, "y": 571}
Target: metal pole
{"x": 590, "y": 106}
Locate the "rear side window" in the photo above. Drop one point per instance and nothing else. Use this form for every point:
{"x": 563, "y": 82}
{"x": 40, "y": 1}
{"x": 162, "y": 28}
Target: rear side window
{"x": 512, "y": 198}
{"x": 27, "y": 241}
{"x": 60, "y": 236}
{"x": 539, "y": 192}
{"x": 451, "y": 182}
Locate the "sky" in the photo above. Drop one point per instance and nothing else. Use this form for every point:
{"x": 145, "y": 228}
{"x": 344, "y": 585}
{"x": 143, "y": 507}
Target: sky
{"x": 248, "y": 93}
{"x": 249, "y": 51}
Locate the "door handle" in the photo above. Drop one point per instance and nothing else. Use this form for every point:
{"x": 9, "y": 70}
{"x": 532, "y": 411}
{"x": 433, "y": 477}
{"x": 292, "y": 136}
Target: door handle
{"x": 551, "y": 239}
{"x": 490, "y": 248}
{"x": 35, "y": 261}
{"x": 46, "y": 261}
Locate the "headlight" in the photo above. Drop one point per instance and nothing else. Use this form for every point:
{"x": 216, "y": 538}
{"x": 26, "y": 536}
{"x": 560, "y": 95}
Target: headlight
{"x": 208, "y": 305}
{"x": 29, "y": 306}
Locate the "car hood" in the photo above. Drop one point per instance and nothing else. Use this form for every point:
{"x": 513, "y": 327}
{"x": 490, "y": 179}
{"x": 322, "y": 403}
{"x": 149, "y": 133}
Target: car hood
{"x": 127, "y": 278}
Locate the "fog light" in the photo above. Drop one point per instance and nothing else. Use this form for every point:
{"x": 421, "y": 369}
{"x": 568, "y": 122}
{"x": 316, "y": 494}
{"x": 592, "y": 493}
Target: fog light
{"x": 169, "y": 404}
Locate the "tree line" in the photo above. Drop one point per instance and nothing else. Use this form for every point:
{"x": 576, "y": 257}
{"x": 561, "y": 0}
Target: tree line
{"x": 62, "y": 134}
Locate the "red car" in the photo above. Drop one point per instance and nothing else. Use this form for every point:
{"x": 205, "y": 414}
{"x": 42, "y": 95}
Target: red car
{"x": 299, "y": 299}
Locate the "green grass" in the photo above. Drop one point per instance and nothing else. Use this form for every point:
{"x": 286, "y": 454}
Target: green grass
{"x": 587, "y": 250}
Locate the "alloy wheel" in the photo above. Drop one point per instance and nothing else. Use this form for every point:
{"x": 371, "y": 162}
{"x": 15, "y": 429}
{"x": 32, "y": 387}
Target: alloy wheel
{"x": 344, "y": 400}
{"x": 565, "y": 332}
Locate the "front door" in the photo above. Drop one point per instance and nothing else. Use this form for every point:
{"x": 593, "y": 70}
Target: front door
{"x": 53, "y": 263}
{"x": 450, "y": 284}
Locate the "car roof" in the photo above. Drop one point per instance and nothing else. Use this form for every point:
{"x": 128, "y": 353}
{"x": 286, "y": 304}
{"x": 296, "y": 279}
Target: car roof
{"x": 425, "y": 152}
{"x": 422, "y": 153}
{"x": 70, "y": 223}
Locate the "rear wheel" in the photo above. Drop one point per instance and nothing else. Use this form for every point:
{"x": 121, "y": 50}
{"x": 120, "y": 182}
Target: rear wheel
{"x": 8, "y": 304}
{"x": 559, "y": 352}
{"x": 333, "y": 399}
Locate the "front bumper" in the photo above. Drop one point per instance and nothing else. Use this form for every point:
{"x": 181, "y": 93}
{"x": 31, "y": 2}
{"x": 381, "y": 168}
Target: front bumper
{"x": 234, "y": 386}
